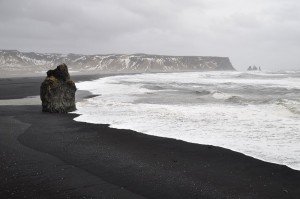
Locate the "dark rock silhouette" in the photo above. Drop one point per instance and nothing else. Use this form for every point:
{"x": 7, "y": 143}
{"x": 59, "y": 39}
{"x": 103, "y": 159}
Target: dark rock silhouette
{"x": 58, "y": 91}
{"x": 253, "y": 68}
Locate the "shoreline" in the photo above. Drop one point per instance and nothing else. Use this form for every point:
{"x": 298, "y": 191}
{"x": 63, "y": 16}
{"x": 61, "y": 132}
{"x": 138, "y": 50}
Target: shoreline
{"x": 123, "y": 162}
{"x": 262, "y": 153}
{"x": 18, "y": 87}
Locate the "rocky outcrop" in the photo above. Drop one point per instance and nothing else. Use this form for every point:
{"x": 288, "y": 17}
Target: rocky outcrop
{"x": 58, "y": 91}
{"x": 253, "y": 68}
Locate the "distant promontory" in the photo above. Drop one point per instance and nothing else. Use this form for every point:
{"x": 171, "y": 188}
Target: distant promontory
{"x": 12, "y": 61}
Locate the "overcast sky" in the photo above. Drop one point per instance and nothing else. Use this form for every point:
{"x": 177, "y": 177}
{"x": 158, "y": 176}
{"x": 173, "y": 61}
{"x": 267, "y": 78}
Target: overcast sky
{"x": 261, "y": 32}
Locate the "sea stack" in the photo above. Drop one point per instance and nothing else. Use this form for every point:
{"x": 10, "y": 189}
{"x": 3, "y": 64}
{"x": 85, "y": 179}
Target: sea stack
{"x": 58, "y": 91}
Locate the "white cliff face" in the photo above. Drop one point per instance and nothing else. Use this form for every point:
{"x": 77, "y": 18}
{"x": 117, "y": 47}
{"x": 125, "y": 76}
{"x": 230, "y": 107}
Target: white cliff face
{"x": 11, "y": 60}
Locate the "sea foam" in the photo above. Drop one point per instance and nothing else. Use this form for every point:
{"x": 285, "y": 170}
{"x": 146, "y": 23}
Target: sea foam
{"x": 255, "y": 114}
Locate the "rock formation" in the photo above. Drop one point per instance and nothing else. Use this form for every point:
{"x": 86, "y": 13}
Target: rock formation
{"x": 253, "y": 68}
{"x": 58, "y": 91}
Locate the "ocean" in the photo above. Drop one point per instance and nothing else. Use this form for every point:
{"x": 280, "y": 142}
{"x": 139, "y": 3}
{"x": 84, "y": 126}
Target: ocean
{"x": 254, "y": 113}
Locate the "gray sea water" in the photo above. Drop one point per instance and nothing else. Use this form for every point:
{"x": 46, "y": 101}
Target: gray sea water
{"x": 255, "y": 113}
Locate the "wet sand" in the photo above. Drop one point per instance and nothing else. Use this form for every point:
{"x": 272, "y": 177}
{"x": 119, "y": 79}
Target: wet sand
{"x": 51, "y": 156}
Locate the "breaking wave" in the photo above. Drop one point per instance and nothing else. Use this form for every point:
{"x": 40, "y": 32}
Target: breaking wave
{"x": 256, "y": 114}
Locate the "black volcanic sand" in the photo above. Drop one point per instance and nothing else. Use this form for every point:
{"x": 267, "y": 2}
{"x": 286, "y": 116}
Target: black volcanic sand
{"x": 51, "y": 156}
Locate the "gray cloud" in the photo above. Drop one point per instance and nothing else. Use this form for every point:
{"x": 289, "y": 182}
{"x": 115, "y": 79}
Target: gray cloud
{"x": 262, "y": 32}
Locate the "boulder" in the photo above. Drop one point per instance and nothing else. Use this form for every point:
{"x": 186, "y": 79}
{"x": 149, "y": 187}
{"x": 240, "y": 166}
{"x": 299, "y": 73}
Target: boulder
{"x": 58, "y": 91}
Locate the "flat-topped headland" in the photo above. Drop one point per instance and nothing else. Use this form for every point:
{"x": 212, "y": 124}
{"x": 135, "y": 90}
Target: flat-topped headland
{"x": 13, "y": 62}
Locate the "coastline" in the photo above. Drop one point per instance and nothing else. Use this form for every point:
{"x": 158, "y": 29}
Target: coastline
{"x": 99, "y": 161}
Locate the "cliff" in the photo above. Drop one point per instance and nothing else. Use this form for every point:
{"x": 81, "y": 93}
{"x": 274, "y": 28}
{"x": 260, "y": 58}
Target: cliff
{"x": 14, "y": 61}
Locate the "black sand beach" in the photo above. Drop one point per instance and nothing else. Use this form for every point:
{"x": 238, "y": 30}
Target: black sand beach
{"x": 52, "y": 156}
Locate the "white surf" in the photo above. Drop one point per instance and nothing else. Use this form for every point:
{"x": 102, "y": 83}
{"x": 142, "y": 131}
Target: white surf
{"x": 257, "y": 114}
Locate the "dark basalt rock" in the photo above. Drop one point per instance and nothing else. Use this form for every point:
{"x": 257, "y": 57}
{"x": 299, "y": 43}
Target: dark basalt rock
{"x": 58, "y": 91}
{"x": 254, "y": 68}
